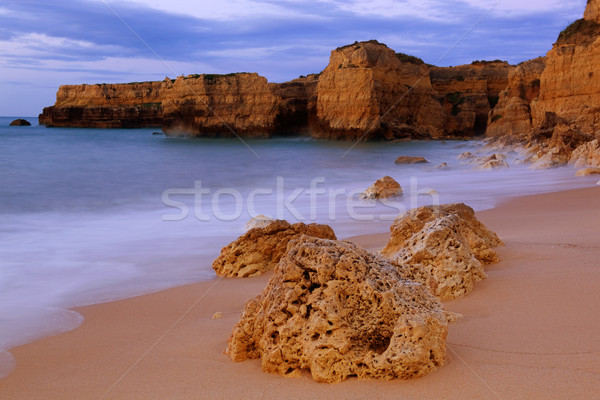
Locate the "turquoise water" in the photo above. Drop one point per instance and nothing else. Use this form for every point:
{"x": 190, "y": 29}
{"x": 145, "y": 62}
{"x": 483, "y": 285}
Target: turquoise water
{"x": 96, "y": 215}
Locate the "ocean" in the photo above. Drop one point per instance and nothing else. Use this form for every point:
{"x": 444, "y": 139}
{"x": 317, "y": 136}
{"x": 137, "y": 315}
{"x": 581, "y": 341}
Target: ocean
{"x": 93, "y": 215}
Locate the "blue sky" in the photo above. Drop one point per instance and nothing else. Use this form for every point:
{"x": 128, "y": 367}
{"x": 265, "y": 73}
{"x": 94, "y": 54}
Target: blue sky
{"x": 44, "y": 44}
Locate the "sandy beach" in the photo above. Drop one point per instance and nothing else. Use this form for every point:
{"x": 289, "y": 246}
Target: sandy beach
{"x": 530, "y": 331}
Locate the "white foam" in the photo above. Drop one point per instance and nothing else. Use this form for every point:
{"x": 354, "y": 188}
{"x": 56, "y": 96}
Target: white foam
{"x": 52, "y": 261}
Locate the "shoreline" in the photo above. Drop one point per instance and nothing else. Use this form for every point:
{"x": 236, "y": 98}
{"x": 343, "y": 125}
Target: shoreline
{"x": 527, "y": 332}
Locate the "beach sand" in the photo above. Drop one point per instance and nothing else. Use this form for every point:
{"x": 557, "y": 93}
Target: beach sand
{"x": 530, "y": 331}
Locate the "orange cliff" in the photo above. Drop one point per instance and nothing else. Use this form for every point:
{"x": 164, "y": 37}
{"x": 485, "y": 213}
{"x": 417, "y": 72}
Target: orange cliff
{"x": 367, "y": 91}
{"x": 552, "y": 104}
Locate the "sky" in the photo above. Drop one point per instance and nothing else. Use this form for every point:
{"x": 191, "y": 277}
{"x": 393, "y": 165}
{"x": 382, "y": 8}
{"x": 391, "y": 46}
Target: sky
{"x": 44, "y": 44}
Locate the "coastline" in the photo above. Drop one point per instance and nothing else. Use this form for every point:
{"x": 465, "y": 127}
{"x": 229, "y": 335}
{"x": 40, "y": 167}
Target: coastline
{"x": 526, "y": 332}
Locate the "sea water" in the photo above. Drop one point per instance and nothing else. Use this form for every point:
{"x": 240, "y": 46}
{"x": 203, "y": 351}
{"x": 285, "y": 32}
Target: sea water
{"x": 93, "y": 215}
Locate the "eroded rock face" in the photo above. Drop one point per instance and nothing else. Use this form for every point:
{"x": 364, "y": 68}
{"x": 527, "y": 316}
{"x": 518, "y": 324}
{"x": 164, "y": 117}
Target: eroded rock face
{"x": 512, "y": 114}
{"x": 367, "y": 81}
{"x": 221, "y": 105}
{"x": 338, "y": 311}
{"x": 384, "y": 188}
{"x": 260, "y": 249}
{"x": 447, "y": 241}
{"x": 133, "y": 105}
{"x": 468, "y": 93}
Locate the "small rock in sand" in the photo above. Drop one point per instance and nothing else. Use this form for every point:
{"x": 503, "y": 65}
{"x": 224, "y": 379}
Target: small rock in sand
{"x": 218, "y": 315}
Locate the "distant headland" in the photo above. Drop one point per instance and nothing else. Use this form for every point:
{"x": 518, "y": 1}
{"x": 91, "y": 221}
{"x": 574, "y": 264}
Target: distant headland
{"x": 370, "y": 92}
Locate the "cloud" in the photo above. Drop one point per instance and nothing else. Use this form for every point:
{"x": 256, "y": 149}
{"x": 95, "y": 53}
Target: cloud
{"x": 423, "y": 9}
{"x": 520, "y": 7}
{"x": 220, "y": 10}
{"x": 26, "y": 47}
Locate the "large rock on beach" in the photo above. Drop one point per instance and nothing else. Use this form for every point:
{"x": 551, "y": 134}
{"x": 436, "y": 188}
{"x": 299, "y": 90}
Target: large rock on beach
{"x": 260, "y": 249}
{"x": 384, "y": 188}
{"x": 338, "y": 311}
{"x": 448, "y": 241}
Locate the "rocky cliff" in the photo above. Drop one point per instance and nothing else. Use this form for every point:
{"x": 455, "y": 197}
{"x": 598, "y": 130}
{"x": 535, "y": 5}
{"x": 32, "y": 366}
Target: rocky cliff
{"x": 469, "y": 92}
{"x": 367, "y": 91}
{"x": 552, "y": 104}
{"x": 512, "y": 115}
{"x": 130, "y": 105}
{"x": 220, "y": 105}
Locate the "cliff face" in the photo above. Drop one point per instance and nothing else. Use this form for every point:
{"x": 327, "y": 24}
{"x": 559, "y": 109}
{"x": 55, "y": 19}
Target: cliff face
{"x": 512, "y": 115}
{"x": 469, "y": 92}
{"x": 367, "y": 91}
{"x": 570, "y": 84}
{"x": 552, "y": 105}
{"x": 219, "y": 105}
{"x": 132, "y": 105}
{"x": 563, "y": 87}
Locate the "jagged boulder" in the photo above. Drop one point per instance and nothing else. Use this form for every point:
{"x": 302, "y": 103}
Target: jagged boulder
{"x": 260, "y": 249}
{"x": 336, "y": 310}
{"x": 384, "y": 188}
{"x": 448, "y": 241}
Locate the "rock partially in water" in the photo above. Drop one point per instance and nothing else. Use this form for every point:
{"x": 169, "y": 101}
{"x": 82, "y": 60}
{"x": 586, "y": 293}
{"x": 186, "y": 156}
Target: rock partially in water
{"x": 495, "y": 161}
{"x": 467, "y": 155}
{"x": 384, "y": 188}
{"x": 586, "y": 155}
{"x": 260, "y": 249}
{"x": 338, "y": 311}
{"x": 408, "y": 160}
{"x": 447, "y": 241}
{"x": 20, "y": 122}
{"x": 588, "y": 172}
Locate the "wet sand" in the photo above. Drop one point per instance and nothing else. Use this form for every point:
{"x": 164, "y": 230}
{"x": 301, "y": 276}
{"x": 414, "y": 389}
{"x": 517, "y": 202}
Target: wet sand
{"x": 530, "y": 331}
